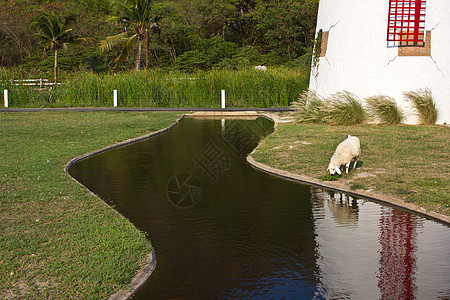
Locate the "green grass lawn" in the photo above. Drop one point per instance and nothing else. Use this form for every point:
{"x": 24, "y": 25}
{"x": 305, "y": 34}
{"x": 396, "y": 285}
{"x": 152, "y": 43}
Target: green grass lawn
{"x": 409, "y": 162}
{"x": 57, "y": 240}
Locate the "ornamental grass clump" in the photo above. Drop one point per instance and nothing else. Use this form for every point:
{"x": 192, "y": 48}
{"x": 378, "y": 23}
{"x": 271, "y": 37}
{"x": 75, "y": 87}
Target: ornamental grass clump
{"x": 344, "y": 108}
{"x": 384, "y": 109}
{"x": 309, "y": 108}
{"x": 422, "y": 101}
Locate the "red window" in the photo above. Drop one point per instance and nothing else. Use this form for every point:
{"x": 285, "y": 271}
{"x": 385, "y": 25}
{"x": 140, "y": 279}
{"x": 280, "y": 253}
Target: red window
{"x": 406, "y": 23}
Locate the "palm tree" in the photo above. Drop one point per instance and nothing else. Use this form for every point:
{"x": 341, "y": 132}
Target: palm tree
{"x": 136, "y": 15}
{"x": 54, "y": 34}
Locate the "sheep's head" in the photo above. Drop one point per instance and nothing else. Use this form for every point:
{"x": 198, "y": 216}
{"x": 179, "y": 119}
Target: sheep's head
{"x": 333, "y": 169}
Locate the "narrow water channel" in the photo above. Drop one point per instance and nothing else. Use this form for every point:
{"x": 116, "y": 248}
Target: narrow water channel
{"x": 223, "y": 230}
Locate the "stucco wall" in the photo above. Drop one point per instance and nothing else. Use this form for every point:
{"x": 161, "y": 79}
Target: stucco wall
{"x": 358, "y": 59}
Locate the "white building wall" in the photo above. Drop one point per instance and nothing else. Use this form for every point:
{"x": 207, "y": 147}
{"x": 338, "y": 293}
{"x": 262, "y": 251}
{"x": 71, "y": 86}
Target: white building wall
{"x": 358, "y": 59}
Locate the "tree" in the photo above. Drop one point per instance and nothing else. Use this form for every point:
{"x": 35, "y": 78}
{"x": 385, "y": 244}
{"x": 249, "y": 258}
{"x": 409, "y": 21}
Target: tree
{"x": 289, "y": 25}
{"x": 15, "y": 36}
{"x": 54, "y": 34}
{"x": 244, "y": 23}
{"x": 138, "y": 16}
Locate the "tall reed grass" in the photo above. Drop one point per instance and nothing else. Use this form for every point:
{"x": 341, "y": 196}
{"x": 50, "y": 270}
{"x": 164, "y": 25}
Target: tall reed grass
{"x": 276, "y": 87}
{"x": 344, "y": 108}
{"x": 384, "y": 109}
{"x": 423, "y": 103}
{"x": 309, "y": 108}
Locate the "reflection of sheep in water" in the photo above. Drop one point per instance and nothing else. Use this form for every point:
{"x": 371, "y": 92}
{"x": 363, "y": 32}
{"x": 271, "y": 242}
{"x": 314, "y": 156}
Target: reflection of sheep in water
{"x": 344, "y": 209}
{"x": 345, "y": 152}
{"x": 344, "y": 212}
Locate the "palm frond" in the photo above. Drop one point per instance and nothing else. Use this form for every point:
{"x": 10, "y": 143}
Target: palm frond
{"x": 51, "y": 30}
{"x": 135, "y": 14}
{"x": 85, "y": 40}
{"x": 126, "y": 49}
{"x": 43, "y": 36}
{"x": 111, "y": 41}
{"x": 119, "y": 5}
{"x": 113, "y": 19}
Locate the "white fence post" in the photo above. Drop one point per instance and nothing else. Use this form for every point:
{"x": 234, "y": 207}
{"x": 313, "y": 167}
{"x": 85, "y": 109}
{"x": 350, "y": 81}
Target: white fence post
{"x": 223, "y": 98}
{"x": 115, "y": 98}
{"x": 5, "y": 95}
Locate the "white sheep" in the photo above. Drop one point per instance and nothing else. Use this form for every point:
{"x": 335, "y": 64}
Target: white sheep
{"x": 345, "y": 152}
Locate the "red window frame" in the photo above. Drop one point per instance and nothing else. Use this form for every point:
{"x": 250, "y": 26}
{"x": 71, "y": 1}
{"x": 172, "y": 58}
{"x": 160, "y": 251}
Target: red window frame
{"x": 406, "y": 22}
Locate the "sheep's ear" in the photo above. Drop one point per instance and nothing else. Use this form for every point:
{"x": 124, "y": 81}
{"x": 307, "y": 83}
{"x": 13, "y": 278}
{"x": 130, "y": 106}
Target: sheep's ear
{"x": 338, "y": 170}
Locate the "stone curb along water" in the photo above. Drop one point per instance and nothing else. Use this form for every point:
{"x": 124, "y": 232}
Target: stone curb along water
{"x": 339, "y": 187}
{"x": 141, "y": 277}
{"x": 138, "y": 280}
{"x": 150, "y": 263}
{"x": 120, "y": 144}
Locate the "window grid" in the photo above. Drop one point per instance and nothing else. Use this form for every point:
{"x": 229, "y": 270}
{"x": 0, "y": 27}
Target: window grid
{"x": 406, "y": 25}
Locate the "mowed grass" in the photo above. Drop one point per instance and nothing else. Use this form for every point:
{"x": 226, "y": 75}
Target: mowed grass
{"x": 409, "y": 162}
{"x": 58, "y": 241}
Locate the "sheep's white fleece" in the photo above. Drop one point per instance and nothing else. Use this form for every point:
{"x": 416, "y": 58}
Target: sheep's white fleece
{"x": 345, "y": 152}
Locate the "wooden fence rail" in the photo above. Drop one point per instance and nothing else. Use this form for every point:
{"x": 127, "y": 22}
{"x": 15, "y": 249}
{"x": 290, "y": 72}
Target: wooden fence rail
{"x": 40, "y": 82}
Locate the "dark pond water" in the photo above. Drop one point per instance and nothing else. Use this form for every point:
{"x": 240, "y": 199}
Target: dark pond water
{"x": 221, "y": 229}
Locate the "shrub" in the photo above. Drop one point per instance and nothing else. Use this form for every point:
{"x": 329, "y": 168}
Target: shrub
{"x": 385, "y": 109}
{"x": 191, "y": 61}
{"x": 344, "y": 108}
{"x": 248, "y": 56}
{"x": 422, "y": 101}
{"x": 309, "y": 108}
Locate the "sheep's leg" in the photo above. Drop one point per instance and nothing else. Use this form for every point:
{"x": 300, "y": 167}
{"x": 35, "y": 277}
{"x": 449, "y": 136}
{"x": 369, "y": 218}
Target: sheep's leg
{"x": 354, "y": 165}
{"x": 346, "y": 167}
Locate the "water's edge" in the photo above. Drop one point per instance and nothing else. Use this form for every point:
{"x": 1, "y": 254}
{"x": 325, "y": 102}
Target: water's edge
{"x": 150, "y": 264}
{"x": 385, "y": 199}
{"x": 141, "y": 277}
{"x": 121, "y": 144}
{"x": 338, "y": 187}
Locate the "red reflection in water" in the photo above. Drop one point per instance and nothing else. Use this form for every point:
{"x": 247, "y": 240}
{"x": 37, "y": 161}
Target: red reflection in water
{"x": 397, "y": 254}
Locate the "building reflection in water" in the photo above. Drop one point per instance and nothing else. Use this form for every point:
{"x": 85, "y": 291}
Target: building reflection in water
{"x": 398, "y": 235}
{"x": 257, "y": 235}
{"x": 346, "y": 238}
{"x": 361, "y": 239}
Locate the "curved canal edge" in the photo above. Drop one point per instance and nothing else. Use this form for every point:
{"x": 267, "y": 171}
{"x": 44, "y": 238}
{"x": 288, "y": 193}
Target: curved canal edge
{"x": 138, "y": 281}
{"x": 144, "y": 273}
{"x": 120, "y": 144}
{"x": 340, "y": 187}
{"x": 150, "y": 262}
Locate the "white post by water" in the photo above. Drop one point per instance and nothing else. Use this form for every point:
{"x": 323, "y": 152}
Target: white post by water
{"x": 223, "y": 98}
{"x": 115, "y": 98}
{"x": 5, "y": 95}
